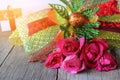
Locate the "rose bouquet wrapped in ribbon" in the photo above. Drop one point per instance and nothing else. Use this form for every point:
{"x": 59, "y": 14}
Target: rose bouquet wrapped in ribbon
{"x": 74, "y": 37}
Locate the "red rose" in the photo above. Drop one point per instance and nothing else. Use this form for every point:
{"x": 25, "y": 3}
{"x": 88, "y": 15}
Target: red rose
{"x": 54, "y": 60}
{"x": 73, "y": 64}
{"x": 93, "y": 50}
{"x": 106, "y": 63}
{"x": 70, "y": 46}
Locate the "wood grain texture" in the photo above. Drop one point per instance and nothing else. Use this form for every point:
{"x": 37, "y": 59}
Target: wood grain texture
{"x": 17, "y": 67}
{"x": 93, "y": 74}
{"x": 62, "y": 75}
{"x": 110, "y": 75}
{"x": 5, "y": 47}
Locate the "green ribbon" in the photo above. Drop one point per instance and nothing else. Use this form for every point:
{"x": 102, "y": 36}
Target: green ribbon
{"x": 112, "y": 38}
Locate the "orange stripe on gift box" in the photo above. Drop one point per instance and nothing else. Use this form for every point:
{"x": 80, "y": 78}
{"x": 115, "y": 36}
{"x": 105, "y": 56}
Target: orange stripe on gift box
{"x": 40, "y": 25}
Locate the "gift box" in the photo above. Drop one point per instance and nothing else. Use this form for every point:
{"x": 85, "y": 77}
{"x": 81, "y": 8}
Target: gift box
{"x": 38, "y": 40}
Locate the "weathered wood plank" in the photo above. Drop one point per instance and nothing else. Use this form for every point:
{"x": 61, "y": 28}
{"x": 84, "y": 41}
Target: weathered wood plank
{"x": 39, "y": 72}
{"x": 62, "y": 75}
{"x": 86, "y": 75}
{"x": 17, "y": 67}
{"x": 93, "y": 74}
{"x": 110, "y": 75}
{"x": 5, "y": 47}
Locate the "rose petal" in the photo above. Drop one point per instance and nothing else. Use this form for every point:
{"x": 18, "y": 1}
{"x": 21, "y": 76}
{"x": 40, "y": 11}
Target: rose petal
{"x": 93, "y": 51}
{"x": 72, "y": 64}
{"x": 101, "y": 41}
{"x": 82, "y": 41}
{"x": 68, "y": 46}
{"x": 54, "y": 60}
{"x": 100, "y": 52}
{"x": 106, "y": 63}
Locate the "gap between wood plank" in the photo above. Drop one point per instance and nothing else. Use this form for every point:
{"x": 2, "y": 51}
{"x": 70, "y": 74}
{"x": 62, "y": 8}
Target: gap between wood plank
{"x": 7, "y": 55}
{"x": 57, "y": 74}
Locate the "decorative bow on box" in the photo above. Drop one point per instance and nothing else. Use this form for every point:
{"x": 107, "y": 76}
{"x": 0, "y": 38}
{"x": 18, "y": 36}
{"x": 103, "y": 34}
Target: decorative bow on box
{"x": 76, "y": 37}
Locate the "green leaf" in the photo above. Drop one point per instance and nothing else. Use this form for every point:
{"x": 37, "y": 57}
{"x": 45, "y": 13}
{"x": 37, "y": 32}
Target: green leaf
{"x": 79, "y": 3}
{"x": 87, "y": 31}
{"x": 95, "y": 10}
{"x": 74, "y": 5}
{"x": 68, "y": 5}
{"x": 90, "y": 13}
{"x": 87, "y": 13}
{"x": 113, "y": 18}
{"x": 61, "y": 10}
{"x": 65, "y": 29}
{"x": 93, "y": 31}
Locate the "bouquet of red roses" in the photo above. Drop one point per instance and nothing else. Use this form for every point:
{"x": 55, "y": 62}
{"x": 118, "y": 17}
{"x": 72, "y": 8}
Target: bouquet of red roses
{"x": 74, "y": 55}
